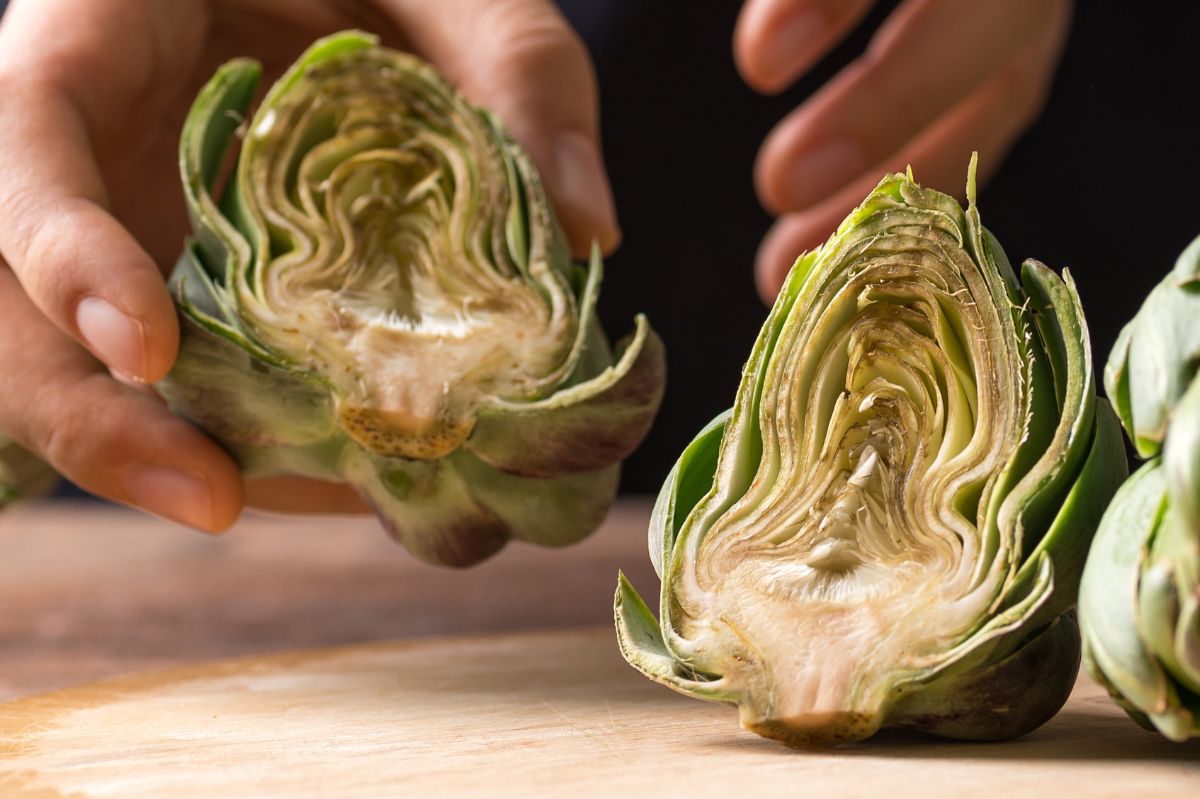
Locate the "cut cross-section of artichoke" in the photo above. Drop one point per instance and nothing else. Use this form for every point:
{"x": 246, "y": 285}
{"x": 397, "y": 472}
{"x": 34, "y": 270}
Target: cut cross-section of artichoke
{"x": 380, "y": 294}
{"x": 887, "y": 528}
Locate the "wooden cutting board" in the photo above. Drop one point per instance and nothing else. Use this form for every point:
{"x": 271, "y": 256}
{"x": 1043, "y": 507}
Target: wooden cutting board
{"x": 533, "y": 714}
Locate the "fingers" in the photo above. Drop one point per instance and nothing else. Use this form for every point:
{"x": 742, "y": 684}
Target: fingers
{"x": 113, "y": 440}
{"x": 521, "y": 59}
{"x": 78, "y": 264}
{"x": 930, "y": 55}
{"x": 776, "y": 41}
{"x": 986, "y": 121}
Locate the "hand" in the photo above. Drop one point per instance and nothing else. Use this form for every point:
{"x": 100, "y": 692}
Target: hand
{"x": 941, "y": 78}
{"x": 92, "y": 98}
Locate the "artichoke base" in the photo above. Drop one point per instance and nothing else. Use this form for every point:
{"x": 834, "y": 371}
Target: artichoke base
{"x": 397, "y": 434}
{"x": 815, "y": 731}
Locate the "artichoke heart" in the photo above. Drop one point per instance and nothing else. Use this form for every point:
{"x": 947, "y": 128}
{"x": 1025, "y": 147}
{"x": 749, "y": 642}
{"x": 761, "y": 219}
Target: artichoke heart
{"x": 887, "y": 528}
{"x": 1139, "y": 602}
{"x": 377, "y": 292}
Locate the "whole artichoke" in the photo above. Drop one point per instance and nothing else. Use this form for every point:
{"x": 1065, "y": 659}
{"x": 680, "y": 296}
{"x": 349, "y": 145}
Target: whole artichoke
{"x": 379, "y": 294}
{"x": 1139, "y": 603}
{"x": 887, "y": 528}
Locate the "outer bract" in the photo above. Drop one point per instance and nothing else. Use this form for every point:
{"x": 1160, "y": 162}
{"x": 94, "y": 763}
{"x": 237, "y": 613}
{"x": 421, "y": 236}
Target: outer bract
{"x": 21, "y": 474}
{"x": 380, "y": 295}
{"x": 1139, "y": 604}
{"x": 887, "y": 528}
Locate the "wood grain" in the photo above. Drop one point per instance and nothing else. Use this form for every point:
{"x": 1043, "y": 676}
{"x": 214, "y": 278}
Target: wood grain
{"x": 534, "y": 714}
{"x": 88, "y": 591}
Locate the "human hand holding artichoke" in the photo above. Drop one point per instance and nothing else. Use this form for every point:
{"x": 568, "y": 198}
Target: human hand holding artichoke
{"x": 382, "y": 296}
{"x": 94, "y": 95}
{"x": 887, "y": 529}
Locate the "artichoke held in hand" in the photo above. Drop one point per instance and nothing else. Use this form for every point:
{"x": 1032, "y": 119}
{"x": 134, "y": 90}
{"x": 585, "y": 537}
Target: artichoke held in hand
{"x": 381, "y": 295}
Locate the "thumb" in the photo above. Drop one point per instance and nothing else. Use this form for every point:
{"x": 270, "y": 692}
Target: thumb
{"x": 522, "y": 60}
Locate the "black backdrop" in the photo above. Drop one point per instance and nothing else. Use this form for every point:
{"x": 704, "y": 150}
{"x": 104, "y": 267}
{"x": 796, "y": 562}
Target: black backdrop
{"x": 1103, "y": 183}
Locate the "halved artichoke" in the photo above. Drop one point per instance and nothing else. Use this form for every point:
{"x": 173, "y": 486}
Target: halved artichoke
{"x": 1139, "y": 602}
{"x": 381, "y": 295}
{"x": 888, "y": 527}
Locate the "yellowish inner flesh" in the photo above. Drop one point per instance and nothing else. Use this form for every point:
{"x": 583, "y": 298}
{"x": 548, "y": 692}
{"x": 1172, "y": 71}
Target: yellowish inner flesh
{"x": 391, "y": 275}
{"x": 853, "y": 556}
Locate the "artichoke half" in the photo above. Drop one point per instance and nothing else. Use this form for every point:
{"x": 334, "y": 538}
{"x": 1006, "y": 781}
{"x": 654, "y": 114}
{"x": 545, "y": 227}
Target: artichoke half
{"x": 1139, "y": 602}
{"x": 380, "y": 294}
{"x": 887, "y": 528}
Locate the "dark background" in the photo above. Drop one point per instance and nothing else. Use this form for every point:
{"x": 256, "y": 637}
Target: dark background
{"x": 1102, "y": 184}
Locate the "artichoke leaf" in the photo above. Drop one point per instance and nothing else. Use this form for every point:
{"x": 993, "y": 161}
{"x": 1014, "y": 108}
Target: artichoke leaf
{"x": 1139, "y": 602}
{"x": 1109, "y": 600}
{"x": 22, "y": 474}
{"x": 379, "y": 293}
{"x": 641, "y": 642}
{"x": 999, "y": 699}
{"x": 689, "y": 480}
{"x": 891, "y": 529}
{"x": 1154, "y": 362}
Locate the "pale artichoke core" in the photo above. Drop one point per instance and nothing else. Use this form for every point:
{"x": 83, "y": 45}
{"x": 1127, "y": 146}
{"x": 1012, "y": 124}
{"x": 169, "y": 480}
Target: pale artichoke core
{"x": 388, "y": 270}
{"x": 854, "y": 556}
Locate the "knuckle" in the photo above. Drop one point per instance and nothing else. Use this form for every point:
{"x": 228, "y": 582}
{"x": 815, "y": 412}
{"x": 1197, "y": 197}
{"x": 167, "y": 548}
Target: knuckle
{"x": 45, "y": 252}
{"x": 66, "y": 436}
{"x": 535, "y": 39}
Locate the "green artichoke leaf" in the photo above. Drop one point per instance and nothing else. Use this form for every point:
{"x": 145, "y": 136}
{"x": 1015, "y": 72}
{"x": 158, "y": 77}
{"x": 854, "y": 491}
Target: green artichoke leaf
{"x": 1155, "y": 357}
{"x": 378, "y": 292}
{"x": 891, "y": 527}
{"x": 687, "y": 483}
{"x": 22, "y": 474}
{"x": 1139, "y": 602}
{"x": 638, "y": 632}
{"x": 1169, "y": 595}
{"x": 1112, "y": 609}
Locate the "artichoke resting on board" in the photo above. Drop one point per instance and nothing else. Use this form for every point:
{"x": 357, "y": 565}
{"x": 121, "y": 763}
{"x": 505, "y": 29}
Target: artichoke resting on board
{"x": 888, "y": 527}
{"x": 1139, "y": 603}
{"x": 380, "y": 295}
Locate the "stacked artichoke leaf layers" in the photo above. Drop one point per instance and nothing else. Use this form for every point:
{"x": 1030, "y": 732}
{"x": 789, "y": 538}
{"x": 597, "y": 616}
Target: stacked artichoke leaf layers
{"x": 887, "y": 528}
{"x": 1139, "y": 604}
{"x": 380, "y": 295}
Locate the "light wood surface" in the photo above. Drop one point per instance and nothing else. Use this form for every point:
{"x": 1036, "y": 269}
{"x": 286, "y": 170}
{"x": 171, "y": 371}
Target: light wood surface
{"x": 88, "y": 591}
{"x": 535, "y": 714}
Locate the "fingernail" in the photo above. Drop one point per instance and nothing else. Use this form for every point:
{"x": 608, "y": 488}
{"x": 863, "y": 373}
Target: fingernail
{"x": 170, "y": 493}
{"x": 790, "y": 45}
{"x": 819, "y": 172}
{"x": 582, "y": 188}
{"x": 117, "y": 339}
